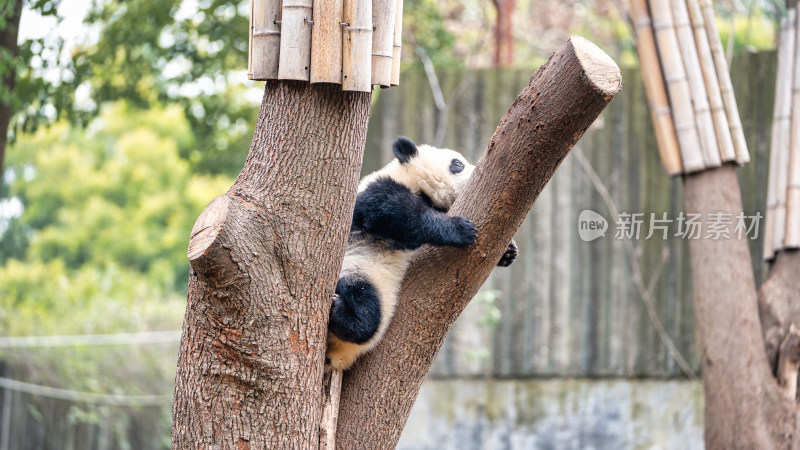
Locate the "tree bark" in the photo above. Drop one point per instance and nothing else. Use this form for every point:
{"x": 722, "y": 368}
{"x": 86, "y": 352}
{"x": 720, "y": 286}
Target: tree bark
{"x": 8, "y": 42}
{"x": 559, "y": 103}
{"x": 265, "y": 258}
{"x": 744, "y": 405}
{"x": 779, "y": 302}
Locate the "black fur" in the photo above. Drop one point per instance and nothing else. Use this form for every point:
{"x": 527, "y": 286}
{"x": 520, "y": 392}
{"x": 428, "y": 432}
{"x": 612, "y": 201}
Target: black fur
{"x": 429, "y": 202}
{"x": 356, "y": 310}
{"x": 456, "y": 166}
{"x": 510, "y": 255}
{"x": 390, "y": 211}
{"x": 404, "y": 149}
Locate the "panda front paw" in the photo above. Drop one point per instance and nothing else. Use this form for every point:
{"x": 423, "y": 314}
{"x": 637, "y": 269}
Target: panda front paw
{"x": 464, "y": 232}
{"x": 510, "y": 255}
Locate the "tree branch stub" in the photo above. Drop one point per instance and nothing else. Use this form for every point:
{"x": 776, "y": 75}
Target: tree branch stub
{"x": 545, "y": 121}
{"x": 206, "y": 253}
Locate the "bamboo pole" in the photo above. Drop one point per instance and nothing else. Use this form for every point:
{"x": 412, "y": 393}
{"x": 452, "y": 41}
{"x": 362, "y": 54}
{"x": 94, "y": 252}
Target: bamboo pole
{"x": 773, "y": 238}
{"x": 721, "y": 128}
{"x": 691, "y": 61}
{"x": 357, "y": 46}
{"x": 677, "y": 86}
{"x": 397, "y": 43}
{"x": 726, "y": 87}
{"x": 656, "y": 91}
{"x": 295, "y": 56}
{"x": 785, "y": 123}
{"x": 383, "y": 20}
{"x": 792, "y": 236}
{"x": 250, "y": 44}
{"x": 326, "y": 42}
{"x": 266, "y": 40}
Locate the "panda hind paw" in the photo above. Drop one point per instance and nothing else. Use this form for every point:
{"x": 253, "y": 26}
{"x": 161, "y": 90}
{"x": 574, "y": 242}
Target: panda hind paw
{"x": 510, "y": 255}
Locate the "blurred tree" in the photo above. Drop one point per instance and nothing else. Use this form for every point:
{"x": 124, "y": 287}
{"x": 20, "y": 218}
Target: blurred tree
{"x": 149, "y": 53}
{"x": 424, "y": 26}
{"x": 503, "y": 33}
{"x": 104, "y": 223}
{"x": 10, "y": 12}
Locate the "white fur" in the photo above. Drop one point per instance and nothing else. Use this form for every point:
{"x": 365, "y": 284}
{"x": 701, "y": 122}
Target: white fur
{"x": 428, "y": 172}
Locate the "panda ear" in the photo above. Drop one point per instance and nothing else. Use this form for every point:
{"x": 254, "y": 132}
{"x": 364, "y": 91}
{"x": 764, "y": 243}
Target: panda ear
{"x": 404, "y": 149}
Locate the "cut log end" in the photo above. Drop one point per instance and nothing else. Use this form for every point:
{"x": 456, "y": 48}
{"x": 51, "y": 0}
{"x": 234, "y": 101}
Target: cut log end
{"x": 598, "y": 67}
{"x": 207, "y": 227}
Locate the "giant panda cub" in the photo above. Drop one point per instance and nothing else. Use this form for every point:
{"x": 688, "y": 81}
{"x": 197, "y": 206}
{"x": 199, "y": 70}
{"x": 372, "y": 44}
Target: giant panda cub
{"x": 398, "y": 209}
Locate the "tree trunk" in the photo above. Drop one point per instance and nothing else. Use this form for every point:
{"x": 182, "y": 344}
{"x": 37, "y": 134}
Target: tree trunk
{"x": 503, "y": 33}
{"x": 265, "y": 258}
{"x": 8, "y": 43}
{"x": 560, "y": 102}
{"x": 745, "y": 407}
{"x": 779, "y": 302}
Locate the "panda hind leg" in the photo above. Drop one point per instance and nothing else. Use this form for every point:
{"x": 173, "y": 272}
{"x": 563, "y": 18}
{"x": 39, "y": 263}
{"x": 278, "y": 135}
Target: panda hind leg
{"x": 356, "y": 310}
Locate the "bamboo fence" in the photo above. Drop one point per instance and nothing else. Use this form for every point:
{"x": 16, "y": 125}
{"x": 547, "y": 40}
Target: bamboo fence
{"x": 679, "y": 51}
{"x": 783, "y": 192}
{"x": 355, "y": 43}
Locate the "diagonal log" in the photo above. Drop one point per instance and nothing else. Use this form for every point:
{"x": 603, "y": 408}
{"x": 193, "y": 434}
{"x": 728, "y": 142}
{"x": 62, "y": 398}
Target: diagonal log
{"x": 548, "y": 117}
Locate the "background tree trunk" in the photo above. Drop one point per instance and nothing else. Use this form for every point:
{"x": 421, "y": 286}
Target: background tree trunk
{"x": 503, "y": 33}
{"x": 265, "y": 258}
{"x": 8, "y": 43}
{"x": 560, "y": 102}
{"x": 745, "y": 407}
{"x": 779, "y": 302}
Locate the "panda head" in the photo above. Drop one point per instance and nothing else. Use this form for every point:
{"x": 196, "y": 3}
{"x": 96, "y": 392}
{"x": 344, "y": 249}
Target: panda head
{"x": 436, "y": 173}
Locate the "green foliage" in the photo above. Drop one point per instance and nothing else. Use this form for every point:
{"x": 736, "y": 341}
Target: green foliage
{"x": 423, "y": 26}
{"x": 148, "y": 52}
{"x": 101, "y": 243}
{"x": 752, "y": 32}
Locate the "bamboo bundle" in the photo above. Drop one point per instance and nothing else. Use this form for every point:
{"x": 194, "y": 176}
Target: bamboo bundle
{"x": 726, "y": 149}
{"x": 781, "y": 121}
{"x": 383, "y": 19}
{"x": 656, "y": 91}
{"x": 724, "y": 78}
{"x": 357, "y": 46}
{"x": 265, "y": 39}
{"x": 326, "y": 42}
{"x": 677, "y": 86}
{"x": 295, "y": 53}
{"x": 702, "y": 111}
{"x": 792, "y": 236}
{"x": 397, "y": 43}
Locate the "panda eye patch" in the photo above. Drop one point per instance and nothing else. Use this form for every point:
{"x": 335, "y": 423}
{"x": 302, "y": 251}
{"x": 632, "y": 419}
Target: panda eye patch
{"x": 456, "y": 166}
